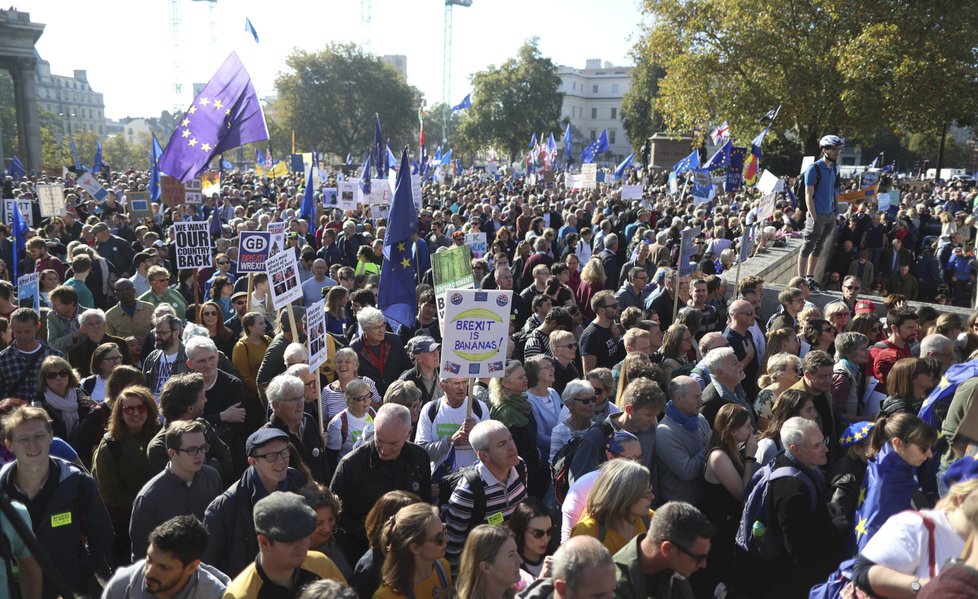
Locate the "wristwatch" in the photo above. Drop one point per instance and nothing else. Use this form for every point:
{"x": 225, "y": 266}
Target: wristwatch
{"x": 915, "y": 585}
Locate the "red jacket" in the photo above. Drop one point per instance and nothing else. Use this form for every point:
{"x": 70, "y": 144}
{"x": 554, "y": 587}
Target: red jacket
{"x": 882, "y": 357}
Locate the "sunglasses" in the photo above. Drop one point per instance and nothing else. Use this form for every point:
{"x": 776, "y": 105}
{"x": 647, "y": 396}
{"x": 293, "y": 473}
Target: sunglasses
{"x": 56, "y": 374}
{"x": 208, "y": 313}
{"x": 363, "y": 398}
{"x": 222, "y": 262}
{"x": 536, "y": 533}
{"x": 585, "y": 400}
{"x": 440, "y": 538}
{"x": 239, "y": 302}
{"x": 699, "y": 558}
{"x": 131, "y": 410}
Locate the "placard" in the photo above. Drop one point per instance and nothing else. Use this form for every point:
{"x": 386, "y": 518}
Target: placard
{"x": 451, "y": 269}
{"x": 210, "y": 184}
{"x": 93, "y": 187}
{"x": 687, "y": 249}
{"x": 572, "y": 181}
{"x": 253, "y": 250}
{"x": 329, "y": 197}
{"x": 51, "y": 199}
{"x": 477, "y": 243}
{"x": 765, "y": 209}
{"x": 192, "y": 241}
{"x": 346, "y": 196}
{"x": 769, "y": 183}
{"x": 172, "y": 191}
{"x": 380, "y": 193}
{"x": 703, "y": 188}
{"x": 192, "y": 191}
{"x": 29, "y": 291}
{"x": 416, "y": 191}
{"x": 26, "y": 211}
{"x": 283, "y": 279}
{"x": 476, "y": 333}
{"x": 139, "y": 205}
{"x": 316, "y": 335}
{"x": 277, "y": 232}
{"x": 589, "y": 176}
{"x": 631, "y": 192}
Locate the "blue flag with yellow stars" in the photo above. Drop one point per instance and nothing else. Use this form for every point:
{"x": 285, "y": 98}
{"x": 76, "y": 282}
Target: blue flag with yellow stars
{"x": 887, "y": 489}
{"x": 396, "y": 294}
{"x": 225, "y": 114}
{"x": 940, "y": 398}
{"x": 688, "y": 163}
{"x": 721, "y": 158}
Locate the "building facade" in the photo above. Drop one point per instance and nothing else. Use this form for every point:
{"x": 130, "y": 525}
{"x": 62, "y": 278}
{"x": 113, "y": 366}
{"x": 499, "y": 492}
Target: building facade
{"x": 72, "y": 99}
{"x": 592, "y": 103}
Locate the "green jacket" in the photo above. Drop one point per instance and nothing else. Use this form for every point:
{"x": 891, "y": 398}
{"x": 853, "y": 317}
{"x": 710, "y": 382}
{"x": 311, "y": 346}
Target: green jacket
{"x": 631, "y": 579}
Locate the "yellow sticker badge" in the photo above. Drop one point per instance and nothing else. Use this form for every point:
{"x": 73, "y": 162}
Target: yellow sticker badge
{"x": 60, "y": 519}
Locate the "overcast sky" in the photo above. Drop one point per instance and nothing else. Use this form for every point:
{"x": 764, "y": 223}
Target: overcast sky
{"x": 127, "y": 47}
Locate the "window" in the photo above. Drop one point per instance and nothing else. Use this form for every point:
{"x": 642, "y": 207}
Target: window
{"x": 594, "y": 113}
{"x": 594, "y": 89}
{"x": 614, "y": 113}
{"x": 611, "y": 136}
{"x": 614, "y": 88}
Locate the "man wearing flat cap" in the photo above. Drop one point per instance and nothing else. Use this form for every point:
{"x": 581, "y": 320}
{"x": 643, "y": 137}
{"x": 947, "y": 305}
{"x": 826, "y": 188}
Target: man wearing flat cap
{"x": 284, "y": 566}
{"x": 232, "y": 543}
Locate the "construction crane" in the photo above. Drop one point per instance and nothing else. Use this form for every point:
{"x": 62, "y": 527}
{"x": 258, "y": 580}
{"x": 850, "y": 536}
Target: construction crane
{"x": 446, "y": 81}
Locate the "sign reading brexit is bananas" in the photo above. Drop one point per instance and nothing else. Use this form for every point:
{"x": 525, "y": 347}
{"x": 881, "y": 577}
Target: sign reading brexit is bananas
{"x": 476, "y": 333}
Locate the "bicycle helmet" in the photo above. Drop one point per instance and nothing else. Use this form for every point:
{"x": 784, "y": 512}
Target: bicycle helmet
{"x": 830, "y": 141}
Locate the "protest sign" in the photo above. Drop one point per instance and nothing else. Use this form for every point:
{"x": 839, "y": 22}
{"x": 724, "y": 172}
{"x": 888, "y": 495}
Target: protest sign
{"x": 631, "y": 192}
{"x": 192, "y": 191}
{"x": 673, "y": 183}
{"x": 735, "y": 170}
{"x": 277, "y": 232}
{"x": 26, "y": 211}
{"x": 687, "y": 250}
{"x": 93, "y": 187}
{"x": 416, "y": 191}
{"x": 765, "y": 209}
{"x": 572, "y": 181}
{"x": 451, "y": 269}
{"x": 883, "y": 201}
{"x": 769, "y": 183}
{"x": 346, "y": 198}
{"x": 139, "y": 204}
{"x": 172, "y": 191}
{"x": 283, "y": 279}
{"x": 703, "y": 189}
{"x": 316, "y": 335}
{"x": 379, "y": 211}
{"x": 52, "y": 200}
{"x": 549, "y": 179}
{"x": 210, "y": 184}
{"x": 192, "y": 241}
{"x": 476, "y": 333}
{"x": 869, "y": 179}
{"x": 806, "y": 162}
{"x": 477, "y": 243}
{"x": 29, "y": 291}
{"x": 329, "y": 197}
{"x": 589, "y": 176}
{"x": 253, "y": 250}
{"x": 380, "y": 193}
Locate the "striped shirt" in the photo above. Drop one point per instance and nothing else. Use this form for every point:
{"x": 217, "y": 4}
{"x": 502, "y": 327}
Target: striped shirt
{"x": 500, "y": 499}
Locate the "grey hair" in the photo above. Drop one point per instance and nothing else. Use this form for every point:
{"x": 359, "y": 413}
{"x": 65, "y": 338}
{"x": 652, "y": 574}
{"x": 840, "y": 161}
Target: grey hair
{"x": 197, "y": 343}
{"x": 779, "y": 363}
{"x": 715, "y": 357}
{"x": 285, "y": 384}
{"x": 192, "y": 330}
{"x": 662, "y": 237}
{"x": 847, "y": 343}
{"x": 573, "y": 388}
{"x": 480, "y": 433}
{"x": 610, "y": 239}
{"x": 577, "y": 558}
{"x": 348, "y": 353}
{"x": 297, "y": 369}
{"x": 833, "y": 307}
{"x": 678, "y": 386}
{"x": 369, "y": 316}
{"x": 405, "y": 393}
{"x": 295, "y": 350}
{"x": 680, "y": 523}
{"x": 355, "y": 387}
{"x": 604, "y": 375}
{"x": 92, "y": 314}
{"x": 935, "y": 343}
{"x": 392, "y": 412}
{"x": 794, "y": 429}
{"x": 162, "y": 310}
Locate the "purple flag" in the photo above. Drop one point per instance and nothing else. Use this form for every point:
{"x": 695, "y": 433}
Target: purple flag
{"x": 225, "y": 115}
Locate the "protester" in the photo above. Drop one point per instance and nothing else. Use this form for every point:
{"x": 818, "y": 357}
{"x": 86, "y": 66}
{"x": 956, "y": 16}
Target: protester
{"x": 415, "y": 564}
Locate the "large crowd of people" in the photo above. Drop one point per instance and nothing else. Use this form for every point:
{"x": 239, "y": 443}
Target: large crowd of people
{"x": 656, "y": 431}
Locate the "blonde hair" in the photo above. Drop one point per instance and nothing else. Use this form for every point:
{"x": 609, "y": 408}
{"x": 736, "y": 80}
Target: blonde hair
{"x": 593, "y": 272}
{"x": 619, "y": 485}
{"x": 957, "y": 494}
{"x": 483, "y": 544}
{"x": 776, "y": 365}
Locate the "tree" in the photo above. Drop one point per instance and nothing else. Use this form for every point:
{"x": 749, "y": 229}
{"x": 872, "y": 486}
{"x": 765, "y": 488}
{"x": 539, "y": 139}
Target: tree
{"x": 512, "y": 101}
{"x": 639, "y": 115}
{"x": 329, "y": 99}
{"x": 441, "y": 125}
{"x": 837, "y": 66}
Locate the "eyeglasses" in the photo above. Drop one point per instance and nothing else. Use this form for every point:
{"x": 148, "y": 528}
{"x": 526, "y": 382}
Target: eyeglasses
{"x": 699, "y": 558}
{"x": 751, "y": 313}
{"x": 194, "y": 451}
{"x": 132, "y": 410}
{"x": 311, "y": 384}
{"x": 291, "y": 400}
{"x": 239, "y": 302}
{"x": 273, "y": 457}
{"x": 843, "y": 314}
{"x": 223, "y": 262}
{"x": 537, "y": 533}
{"x": 56, "y": 374}
{"x": 585, "y": 400}
{"x": 829, "y": 330}
{"x": 599, "y": 390}
{"x": 852, "y": 288}
{"x": 362, "y": 398}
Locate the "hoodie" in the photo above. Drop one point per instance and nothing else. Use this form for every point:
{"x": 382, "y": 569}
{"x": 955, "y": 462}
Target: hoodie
{"x": 128, "y": 583}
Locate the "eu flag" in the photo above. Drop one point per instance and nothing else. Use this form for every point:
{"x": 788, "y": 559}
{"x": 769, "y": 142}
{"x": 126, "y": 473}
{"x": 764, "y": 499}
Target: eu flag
{"x": 888, "y": 487}
{"x": 224, "y": 115}
{"x": 624, "y": 166}
{"x": 74, "y": 154}
{"x": 97, "y": 163}
{"x": 567, "y": 142}
{"x": 396, "y": 294}
{"x": 940, "y": 398}
{"x": 721, "y": 158}
{"x": 154, "y": 174}
{"x": 308, "y": 209}
{"x": 446, "y": 160}
{"x": 688, "y": 163}
{"x": 16, "y": 170}
{"x": 465, "y": 103}
{"x": 598, "y": 146}
{"x": 20, "y": 238}
{"x": 380, "y": 157}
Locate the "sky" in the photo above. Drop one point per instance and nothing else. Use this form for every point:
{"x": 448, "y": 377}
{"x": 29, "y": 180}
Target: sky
{"x": 128, "y": 49}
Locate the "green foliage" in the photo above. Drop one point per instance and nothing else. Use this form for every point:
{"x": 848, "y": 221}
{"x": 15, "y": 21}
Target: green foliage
{"x": 839, "y": 66}
{"x": 512, "y": 101}
{"x": 330, "y": 97}
{"x": 638, "y": 111}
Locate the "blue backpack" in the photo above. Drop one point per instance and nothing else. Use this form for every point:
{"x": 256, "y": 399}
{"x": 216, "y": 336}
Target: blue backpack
{"x": 758, "y": 534}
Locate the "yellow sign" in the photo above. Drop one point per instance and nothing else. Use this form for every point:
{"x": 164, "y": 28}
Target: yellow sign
{"x": 60, "y": 519}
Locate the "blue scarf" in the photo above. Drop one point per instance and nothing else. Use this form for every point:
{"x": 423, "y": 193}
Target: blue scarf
{"x": 690, "y": 423}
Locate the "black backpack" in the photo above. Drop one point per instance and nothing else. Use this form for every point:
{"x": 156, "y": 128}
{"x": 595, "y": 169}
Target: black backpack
{"x": 560, "y": 467}
{"x": 435, "y": 405}
{"x": 446, "y": 486}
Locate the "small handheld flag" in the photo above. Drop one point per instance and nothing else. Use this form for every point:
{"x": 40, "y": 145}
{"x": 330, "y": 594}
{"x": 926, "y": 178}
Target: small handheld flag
{"x": 251, "y": 29}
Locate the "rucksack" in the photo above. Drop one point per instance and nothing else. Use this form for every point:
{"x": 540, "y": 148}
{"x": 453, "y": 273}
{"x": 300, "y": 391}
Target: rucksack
{"x": 560, "y": 466}
{"x": 435, "y": 405}
{"x": 448, "y": 483}
{"x": 519, "y": 344}
{"x": 758, "y": 534}
{"x": 345, "y": 424}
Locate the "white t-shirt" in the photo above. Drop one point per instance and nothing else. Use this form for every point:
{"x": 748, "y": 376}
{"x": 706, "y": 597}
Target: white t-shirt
{"x": 354, "y": 428}
{"x": 166, "y": 367}
{"x": 98, "y": 392}
{"x": 447, "y": 421}
{"x": 574, "y": 503}
{"x": 901, "y": 544}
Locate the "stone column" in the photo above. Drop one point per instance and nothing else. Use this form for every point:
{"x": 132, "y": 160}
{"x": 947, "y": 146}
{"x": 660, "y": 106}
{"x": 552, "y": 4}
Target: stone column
{"x": 28, "y": 122}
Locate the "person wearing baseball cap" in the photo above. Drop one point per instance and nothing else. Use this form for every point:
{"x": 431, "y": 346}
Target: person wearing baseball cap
{"x": 865, "y": 307}
{"x": 283, "y": 522}
{"x": 233, "y": 543}
{"x": 425, "y": 354}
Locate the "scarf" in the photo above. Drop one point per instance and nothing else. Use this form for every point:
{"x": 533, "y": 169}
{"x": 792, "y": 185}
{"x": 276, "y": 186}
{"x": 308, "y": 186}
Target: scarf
{"x": 512, "y": 410}
{"x": 851, "y": 368}
{"x": 813, "y": 473}
{"x": 690, "y": 423}
{"x": 66, "y": 406}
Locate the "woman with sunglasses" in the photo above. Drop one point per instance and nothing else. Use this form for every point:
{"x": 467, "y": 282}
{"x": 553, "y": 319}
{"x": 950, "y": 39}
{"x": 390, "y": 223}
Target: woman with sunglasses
{"x": 121, "y": 466}
{"x": 223, "y": 270}
{"x": 212, "y": 317}
{"x": 820, "y": 334}
{"x": 59, "y": 392}
{"x": 220, "y": 293}
{"x": 783, "y": 371}
{"x": 578, "y": 398}
{"x": 415, "y": 566}
{"x": 334, "y": 394}
{"x": 105, "y": 358}
{"x": 563, "y": 349}
{"x": 533, "y": 528}
{"x": 618, "y": 506}
{"x": 346, "y": 428}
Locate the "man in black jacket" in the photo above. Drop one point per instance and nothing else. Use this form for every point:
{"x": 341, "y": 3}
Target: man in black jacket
{"x": 388, "y": 462}
{"x": 382, "y": 355}
{"x": 286, "y": 395}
